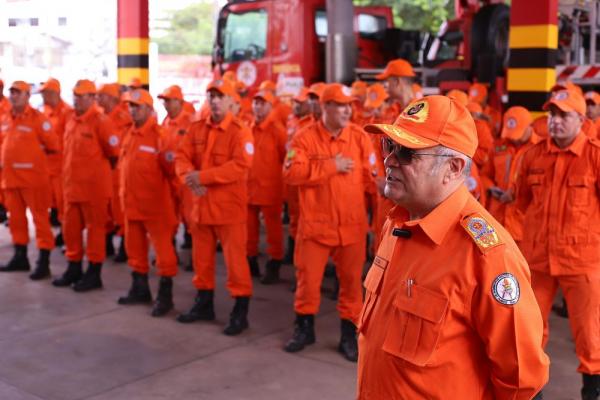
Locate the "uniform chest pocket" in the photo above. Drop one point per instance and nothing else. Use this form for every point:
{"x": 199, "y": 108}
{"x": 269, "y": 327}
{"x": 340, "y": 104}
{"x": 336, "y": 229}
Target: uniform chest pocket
{"x": 373, "y": 287}
{"x": 416, "y": 326}
{"x": 578, "y": 188}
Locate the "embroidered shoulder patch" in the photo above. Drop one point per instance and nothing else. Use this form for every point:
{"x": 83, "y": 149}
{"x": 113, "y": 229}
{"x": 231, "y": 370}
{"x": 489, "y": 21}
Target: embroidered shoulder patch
{"x": 482, "y": 232}
{"x": 505, "y": 289}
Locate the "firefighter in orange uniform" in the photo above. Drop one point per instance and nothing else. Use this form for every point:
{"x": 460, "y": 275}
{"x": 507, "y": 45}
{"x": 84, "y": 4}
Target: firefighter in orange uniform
{"x": 90, "y": 149}
{"x": 27, "y": 136}
{"x": 331, "y": 162}
{"x": 281, "y": 109}
{"x": 592, "y": 101}
{"x": 398, "y": 76}
{"x": 213, "y": 160}
{"x": 117, "y": 111}
{"x": 57, "y": 111}
{"x": 359, "y": 92}
{"x": 478, "y": 93}
{"x": 558, "y": 191}
{"x": 147, "y": 169}
{"x": 265, "y": 186}
{"x": 448, "y": 304}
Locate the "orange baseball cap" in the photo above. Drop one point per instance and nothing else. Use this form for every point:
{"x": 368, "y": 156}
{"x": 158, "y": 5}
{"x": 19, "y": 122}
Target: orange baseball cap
{"x": 540, "y": 126}
{"x": 417, "y": 91}
{"x": 172, "y": 92}
{"x": 316, "y": 89}
{"x": 376, "y": 96}
{"x": 567, "y": 85}
{"x": 111, "y": 89}
{"x": 84, "y": 86}
{"x": 51, "y": 84}
{"x": 432, "y": 121}
{"x": 139, "y": 97}
{"x": 337, "y": 93}
{"x": 359, "y": 88}
{"x": 516, "y": 120}
{"x": 265, "y": 95}
{"x": 398, "y": 67}
{"x": 222, "y": 86}
{"x": 135, "y": 83}
{"x": 459, "y": 96}
{"x": 21, "y": 86}
{"x": 592, "y": 97}
{"x": 474, "y": 108}
{"x": 302, "y": 96}
{"x": 478, "y": 92}
{"x": 268, "y": 85}
{"x": 567, "y": 101}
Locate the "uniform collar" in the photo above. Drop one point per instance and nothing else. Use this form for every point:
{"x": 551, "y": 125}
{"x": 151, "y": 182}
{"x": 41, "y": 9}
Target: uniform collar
{"x": 177, "y": 120}
{"x": 91, "y": 112}
{"x": 576, "y": 147}
{"x": 224, "y": 124}
{"x": 27, "y": 111}
{"x": 438, "y": 222}
{"x": 344, "y": 135}
{"x": 265, "y": 122}
{"x": 148, "y": 125}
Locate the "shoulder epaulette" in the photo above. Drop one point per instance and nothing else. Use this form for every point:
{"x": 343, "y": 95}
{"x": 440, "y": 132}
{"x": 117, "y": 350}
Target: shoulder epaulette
{"x": 481, "y": 231}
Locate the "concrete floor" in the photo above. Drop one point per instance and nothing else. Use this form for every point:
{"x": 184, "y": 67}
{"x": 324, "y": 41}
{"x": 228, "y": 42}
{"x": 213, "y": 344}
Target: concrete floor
{"x": 56, "y": 344}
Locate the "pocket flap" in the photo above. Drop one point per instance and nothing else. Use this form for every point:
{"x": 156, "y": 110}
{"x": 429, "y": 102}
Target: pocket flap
{"x": 423, "y": 302}
{"x": 580, "y": 181}
{"x": 535, "y": 179}
{"x": 375, "y": 275}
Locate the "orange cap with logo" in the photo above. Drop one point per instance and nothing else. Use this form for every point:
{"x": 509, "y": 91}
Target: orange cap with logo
{"x": 432, "y": 121}
{"x": 172, "y": 92}
{"x": 265, "y": 95}
{"x": 592, "y": 97}
{"x": 268, "y": 85}
{"x": 398, "y": 67}
{"x": 139, "y": 97}
{"x": 222, "y": 86}
{"x": 567, "y": 101}
{"x": 359, "y": 88}
{"x": 376, "y": 96}
{"x": 21, "y": 86}
{"x": 337, "y": 93}
{"x": 516, "y": 121}
{"x": 51, "y": 84}
{"x": 302, "y": 95}
{"x": 567, "y": 85}
{"x": 111, "y": 89}
{"x": 459, "y": 96}
{"x": 478, "y": 92}
{"x": 84, "y": 86}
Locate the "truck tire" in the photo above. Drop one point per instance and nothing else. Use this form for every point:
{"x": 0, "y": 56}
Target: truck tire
{"x": 489, "y": 39}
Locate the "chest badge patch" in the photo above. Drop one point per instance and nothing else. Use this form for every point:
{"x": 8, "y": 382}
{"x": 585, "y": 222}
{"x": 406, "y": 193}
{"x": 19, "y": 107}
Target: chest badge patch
{"x": 505, "y": 289}
{"x": 481, "y": 231}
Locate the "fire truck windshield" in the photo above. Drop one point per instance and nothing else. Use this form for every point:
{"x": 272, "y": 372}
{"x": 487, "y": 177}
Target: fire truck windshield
{"x": 244, "y": 35}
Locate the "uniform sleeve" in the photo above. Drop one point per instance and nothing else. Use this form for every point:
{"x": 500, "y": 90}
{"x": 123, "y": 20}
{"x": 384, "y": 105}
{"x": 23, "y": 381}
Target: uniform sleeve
{"x": 300, "y": 169}
{"x": 184, "y": 155}
{"x": 235, "y": 168}
{"x": 166, "y": 155}
{"x": 108, "y": 138}
{"x": 47, "y": 135}
{"x": 511, "y": 333}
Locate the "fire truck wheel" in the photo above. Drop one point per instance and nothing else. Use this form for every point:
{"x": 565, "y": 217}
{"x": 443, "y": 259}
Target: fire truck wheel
{"x": 489, "y": 36}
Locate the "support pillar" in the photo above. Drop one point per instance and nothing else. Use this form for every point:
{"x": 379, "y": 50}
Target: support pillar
{"x": 341, "y": 52}
{"x": 133, "y": 42}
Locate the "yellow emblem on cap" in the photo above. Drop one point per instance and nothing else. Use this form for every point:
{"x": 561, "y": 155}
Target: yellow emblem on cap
{"x": 394, "y": 130}
{"x": 482, "y": 232}
{"x": 416, "y": 112}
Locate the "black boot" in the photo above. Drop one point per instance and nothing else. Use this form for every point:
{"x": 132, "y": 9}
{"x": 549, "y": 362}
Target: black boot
{"x": 72, "y": 274}
{"x": 91, "y": 279}
{"x": 164, "y": 299}
{"x": 3, "y": 215}
{"x": 110, "y": 247}
{"x": 348, "y": 346}
{"x": 304, "y": 333}
{"x": 591, "y": 387}
{"x": 202, "y": 310}
{"x": 19, "y": 260}
{"x": 187, "y": 241}
{"x": 121, "y": 256}
{"x": 561, "y": 311}
{"x": 54, "y": 217}
{"x": 272, "y": 272}
{"x": 253, "y": 263}
{"x": 59, "y": 241}
{"x": 289, "y": 255}
{"x": 42, "y": 266}
{"x": 139, "y": 292}
{"x": 238, "y": 319}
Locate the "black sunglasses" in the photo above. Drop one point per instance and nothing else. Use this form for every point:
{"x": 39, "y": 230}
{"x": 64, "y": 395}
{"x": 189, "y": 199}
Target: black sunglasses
{"x": 404, "y": 155}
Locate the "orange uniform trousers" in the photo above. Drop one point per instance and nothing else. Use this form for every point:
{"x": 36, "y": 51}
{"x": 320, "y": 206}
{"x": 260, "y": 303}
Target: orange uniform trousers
{"x": 311, "y": 258}
{"x": 274, "y": 228}
{"x": 582, "y": 294}
{"x": 232, "y": 238}
{"x": 17, "y": 201}
{"x": 91, "y": 216}
{"x": 116, "y": 218}
{"x": 57, "y": 200}
{"x": 137, "y": 233}
{"x": 293, "y": 208}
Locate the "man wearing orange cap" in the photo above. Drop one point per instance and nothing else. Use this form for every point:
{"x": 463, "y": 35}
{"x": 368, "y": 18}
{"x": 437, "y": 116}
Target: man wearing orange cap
{"x": 281, "y": 109}
{"x": 213, "y": 160}
{"x": 558, "y": 192}
{"x": 265, "y": 186}
{"x": 478, "y": 93}
{"x": 90, "y": 149}
{"x": 27, "y": 137}
{"x": 117, "y": 111}
{"x": 592, "y": 101}
{"x": 147, "y": 169}
{"x": 359, "y": 92}
{"x": 448, "y": 304}
{"x": 503, "y": 168}
{"x": 331, "y": 162}
{"x": 398, "y": 76}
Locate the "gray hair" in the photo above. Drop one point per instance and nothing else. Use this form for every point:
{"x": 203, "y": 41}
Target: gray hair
{"x": 449, "y": 153}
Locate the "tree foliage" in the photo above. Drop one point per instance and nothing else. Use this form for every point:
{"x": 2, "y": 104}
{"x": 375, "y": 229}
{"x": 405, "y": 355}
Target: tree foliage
{"x": 190, "y": 30}
{"x": 423, "y": 15}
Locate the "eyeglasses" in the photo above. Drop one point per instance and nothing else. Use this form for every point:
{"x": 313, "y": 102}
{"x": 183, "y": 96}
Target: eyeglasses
{"x": 404, "y": 155}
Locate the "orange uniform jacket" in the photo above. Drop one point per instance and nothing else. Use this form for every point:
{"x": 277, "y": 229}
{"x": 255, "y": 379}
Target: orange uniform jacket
{"x": 147, "y": 166}
{"x": 265, "y": 182}
{"x": 25, "y": 138}
{"x": 223, "y": 154}
{"x": 89, "y": 142}
{"x": 58, "y": 116}
{"x": 558, "y": 192}
{"x": 332, "y": 204}
{"x": 438, "y": 322}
